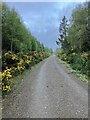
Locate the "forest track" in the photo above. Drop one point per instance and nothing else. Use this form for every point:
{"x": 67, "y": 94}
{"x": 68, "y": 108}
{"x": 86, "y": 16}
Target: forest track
{"x": 48, "y": 92}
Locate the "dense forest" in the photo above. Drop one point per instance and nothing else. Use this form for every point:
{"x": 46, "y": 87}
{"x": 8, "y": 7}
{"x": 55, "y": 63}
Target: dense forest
{"x": 74, "y": 39}
{"x": 20, "y": 49}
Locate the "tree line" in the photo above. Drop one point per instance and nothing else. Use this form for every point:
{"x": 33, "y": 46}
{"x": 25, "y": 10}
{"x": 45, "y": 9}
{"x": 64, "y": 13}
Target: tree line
{"x": 15, "y": 36}
{"x": 74, "y": 38}
{"x": 20, "y": 49}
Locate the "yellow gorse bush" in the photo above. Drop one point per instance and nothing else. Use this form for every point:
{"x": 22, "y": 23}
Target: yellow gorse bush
{"x": 6, "y": 88}
{"x": 13, "y": 64}
{"x": 14, "y": 57}
{"x": 6, "y": 74}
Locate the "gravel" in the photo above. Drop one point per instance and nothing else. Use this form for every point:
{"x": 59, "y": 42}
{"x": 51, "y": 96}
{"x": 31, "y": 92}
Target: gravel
{"x": 48, "y": 92}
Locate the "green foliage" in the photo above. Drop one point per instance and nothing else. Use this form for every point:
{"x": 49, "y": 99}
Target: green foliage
{"x": 63, "y": 33}
{"x": 20, "y": 49}
{"x": 15, "y": 36}
{"x": 77, "y": 52}
{"x": 14, "y": 64}
{"x": 78, "y": 31}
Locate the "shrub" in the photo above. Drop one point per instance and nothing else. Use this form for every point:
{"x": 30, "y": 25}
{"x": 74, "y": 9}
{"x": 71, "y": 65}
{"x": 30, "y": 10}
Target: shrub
{"x": 14, "y": 64}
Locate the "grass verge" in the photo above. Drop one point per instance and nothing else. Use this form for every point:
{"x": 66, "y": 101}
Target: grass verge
{"x": 82, "y": 77}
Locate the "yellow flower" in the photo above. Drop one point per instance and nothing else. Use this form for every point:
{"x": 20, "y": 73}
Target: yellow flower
{"x": 8, "y": 88}
{"x": 6, "y": 74}
{"x": 6, "y": 54}
{"x": 6, "y": 67}
{"x": 13, "y": 57}
{"x": 0, "y": 75}
{"x": 27, "y": 61}
{"x": 65, "y": 59}
{"x": 18, "y": 68}
{"x": 15, "y": 68}
{"x": 30, "y": 57}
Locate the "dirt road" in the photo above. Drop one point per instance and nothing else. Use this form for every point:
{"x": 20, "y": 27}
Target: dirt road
{"x": 48, "y": 92}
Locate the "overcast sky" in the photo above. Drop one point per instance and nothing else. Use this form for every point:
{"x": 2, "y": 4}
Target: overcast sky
{"x": 43, "y": 19}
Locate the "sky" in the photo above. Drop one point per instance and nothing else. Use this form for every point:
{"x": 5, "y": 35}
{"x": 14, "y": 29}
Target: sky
{"x": 43, "y": 18}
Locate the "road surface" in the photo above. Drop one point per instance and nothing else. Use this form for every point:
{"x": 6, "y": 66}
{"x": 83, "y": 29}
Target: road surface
{"x": 48, "y": 92}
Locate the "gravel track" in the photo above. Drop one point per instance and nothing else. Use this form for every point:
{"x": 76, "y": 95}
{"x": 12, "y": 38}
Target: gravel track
{"x": 48, "y": 92}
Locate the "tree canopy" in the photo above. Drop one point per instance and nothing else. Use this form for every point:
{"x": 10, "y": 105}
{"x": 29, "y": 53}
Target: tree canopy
{"x": 77, "y": 34}
{"x": 15, "y": 36}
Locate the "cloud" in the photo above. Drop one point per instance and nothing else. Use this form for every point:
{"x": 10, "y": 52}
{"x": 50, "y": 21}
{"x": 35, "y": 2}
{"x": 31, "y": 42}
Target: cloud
{"x": 26, "y": 23}
{"x": 43, "y": 19}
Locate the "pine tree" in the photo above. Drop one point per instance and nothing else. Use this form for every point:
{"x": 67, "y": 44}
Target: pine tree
{"x": 63, "y": 33}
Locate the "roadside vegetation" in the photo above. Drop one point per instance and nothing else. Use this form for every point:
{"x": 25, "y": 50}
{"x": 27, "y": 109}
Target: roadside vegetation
{"x": 74, "y": 40}
{"x": 20, "y": 49}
